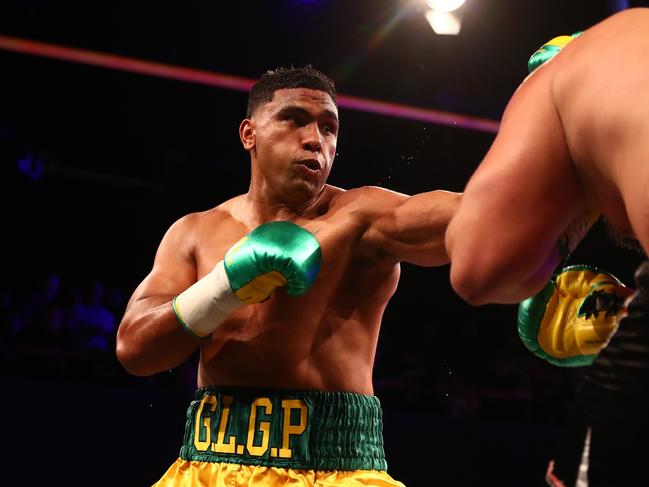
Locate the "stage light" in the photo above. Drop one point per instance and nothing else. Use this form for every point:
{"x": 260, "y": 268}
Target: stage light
{"x": 445, "y": 5}
{"x": 444, "y": 23}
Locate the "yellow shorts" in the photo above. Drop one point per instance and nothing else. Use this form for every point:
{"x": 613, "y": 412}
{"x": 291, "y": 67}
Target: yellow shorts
{"x": 243, "y": 436}
{"x": 185, "y": 473}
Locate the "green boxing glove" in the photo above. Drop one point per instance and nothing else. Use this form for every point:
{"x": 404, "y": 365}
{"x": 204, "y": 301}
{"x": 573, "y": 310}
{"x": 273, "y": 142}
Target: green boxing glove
{"x": 274, "y": 254}
{"x": 548, "y": 50}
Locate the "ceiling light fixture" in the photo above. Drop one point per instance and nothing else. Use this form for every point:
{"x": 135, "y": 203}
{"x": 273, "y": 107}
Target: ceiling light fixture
{"x": 444, "y": 23}
{"x": 445, "y": 5}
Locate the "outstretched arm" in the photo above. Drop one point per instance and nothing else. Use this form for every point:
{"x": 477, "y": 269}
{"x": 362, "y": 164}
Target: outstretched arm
{"x": 409, "y": 228}
{"x": 149, "y": 338}
{"x": 502, "y": 241}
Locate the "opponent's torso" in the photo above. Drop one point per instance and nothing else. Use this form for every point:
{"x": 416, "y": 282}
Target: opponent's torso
{"x": 621, "y": 369}
{"x": 325, "y": 340}
{"x": 601, "y": 91}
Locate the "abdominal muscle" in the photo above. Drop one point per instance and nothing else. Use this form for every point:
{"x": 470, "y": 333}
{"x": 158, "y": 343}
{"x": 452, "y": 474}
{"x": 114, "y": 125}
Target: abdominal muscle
{"x": 302, "y": 342}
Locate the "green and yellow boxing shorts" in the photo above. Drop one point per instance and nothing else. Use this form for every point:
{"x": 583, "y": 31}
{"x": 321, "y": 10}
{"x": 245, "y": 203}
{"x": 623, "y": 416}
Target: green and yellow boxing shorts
{"x": 260, "y": 437}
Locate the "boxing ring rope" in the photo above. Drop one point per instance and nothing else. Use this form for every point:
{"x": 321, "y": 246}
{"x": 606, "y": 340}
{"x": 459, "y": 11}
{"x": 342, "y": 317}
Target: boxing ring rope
{"x": 219, "y": 80}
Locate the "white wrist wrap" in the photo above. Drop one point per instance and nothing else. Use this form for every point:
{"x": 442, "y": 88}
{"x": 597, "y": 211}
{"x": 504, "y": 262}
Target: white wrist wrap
{"x": 203, "y": 306}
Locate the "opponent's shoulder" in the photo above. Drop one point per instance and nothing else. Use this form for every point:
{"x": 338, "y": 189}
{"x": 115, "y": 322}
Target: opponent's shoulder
{"x": 627, "y": 16}
{"x": 607, "y": 46}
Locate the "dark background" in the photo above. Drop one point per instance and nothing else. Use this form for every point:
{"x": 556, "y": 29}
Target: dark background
{"x": 96, "y": 164}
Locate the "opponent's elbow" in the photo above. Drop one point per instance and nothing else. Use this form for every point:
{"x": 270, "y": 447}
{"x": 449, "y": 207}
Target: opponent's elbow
{"x": 480, "y": 281}
{"x": 471, "y": 289}
{"x": 466, "y": 282}
{"x": 494, "y": 285}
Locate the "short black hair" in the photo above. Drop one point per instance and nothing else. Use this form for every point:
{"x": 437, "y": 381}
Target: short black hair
{"x": 282, "y": 78}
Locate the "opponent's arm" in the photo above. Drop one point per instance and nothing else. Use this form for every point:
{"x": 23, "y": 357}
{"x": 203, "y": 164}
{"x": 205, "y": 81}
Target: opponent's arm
{"x": 409, "y": 228}
{"x": 502, "y": 241}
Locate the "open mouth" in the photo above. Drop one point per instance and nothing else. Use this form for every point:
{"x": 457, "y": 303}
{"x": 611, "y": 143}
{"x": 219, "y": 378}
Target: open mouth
{"x": 311, "y": 164}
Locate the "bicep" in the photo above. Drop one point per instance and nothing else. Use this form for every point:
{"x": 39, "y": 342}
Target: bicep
{"x": 149, "y": 338}
{"x": 411, "y": 228}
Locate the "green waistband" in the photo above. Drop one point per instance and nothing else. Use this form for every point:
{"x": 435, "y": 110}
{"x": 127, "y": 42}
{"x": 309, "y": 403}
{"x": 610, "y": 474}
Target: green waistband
{"x": 303, "y": 430}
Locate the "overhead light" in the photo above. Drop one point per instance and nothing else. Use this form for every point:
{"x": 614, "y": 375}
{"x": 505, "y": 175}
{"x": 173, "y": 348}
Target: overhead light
{"x": 445, "y": 5}
{"x": 444, "y": 23}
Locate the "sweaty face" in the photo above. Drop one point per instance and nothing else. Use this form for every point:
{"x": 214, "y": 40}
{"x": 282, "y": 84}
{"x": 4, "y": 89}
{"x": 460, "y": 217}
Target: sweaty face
{"x": 295, "y": 137}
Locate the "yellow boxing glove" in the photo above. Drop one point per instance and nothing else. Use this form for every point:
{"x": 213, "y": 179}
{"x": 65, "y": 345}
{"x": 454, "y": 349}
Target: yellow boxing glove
{"x": 570, "y": 320}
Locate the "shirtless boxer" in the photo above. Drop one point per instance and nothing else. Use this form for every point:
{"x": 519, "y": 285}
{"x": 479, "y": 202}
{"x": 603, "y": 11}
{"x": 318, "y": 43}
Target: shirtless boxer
{"x": 573, "y": 139}
{"x": 282, "y": 289}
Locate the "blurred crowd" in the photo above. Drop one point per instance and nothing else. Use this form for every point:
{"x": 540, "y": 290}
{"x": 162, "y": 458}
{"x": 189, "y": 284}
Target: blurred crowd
{"x": 51, "y": 327}
{"x": 56, "y": 328}
{"x": 65, "y": 330}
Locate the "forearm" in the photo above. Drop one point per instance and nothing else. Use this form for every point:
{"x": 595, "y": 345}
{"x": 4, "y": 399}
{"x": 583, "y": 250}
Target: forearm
{"x": 416, "y": 232}
{"x": 150, "y": 339}
{"x": 159, "y": 332}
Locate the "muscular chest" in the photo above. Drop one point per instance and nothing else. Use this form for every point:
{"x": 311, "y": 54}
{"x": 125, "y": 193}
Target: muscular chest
{"x": 338, "y": 239}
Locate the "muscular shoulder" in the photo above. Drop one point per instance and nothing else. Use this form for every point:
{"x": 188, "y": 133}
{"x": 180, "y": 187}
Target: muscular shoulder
{"x": 195, "y": 221}
{"x": 191, "y": 228}
{"x": 367, "y": 202}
